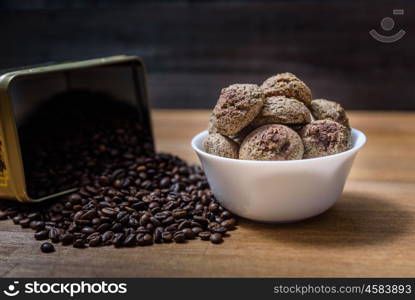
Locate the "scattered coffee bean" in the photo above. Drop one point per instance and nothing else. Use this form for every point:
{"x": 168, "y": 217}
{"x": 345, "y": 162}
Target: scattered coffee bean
{"x": 79, "y": 243}
{"x": 197, "y": 230}
{"x": 3, "y": 216}
{"x": 87, "y": 230}
{"x": 204, "y": 235}
{"x": 188, "y": 233}
{"x": 219, "y": 229}
{"x": 118, "y": 239}
{"x": 130, "y": 240}
{"x": 167, "y": 237}
{"x": 66, "y": 239}
{"x": 54, "y": 235}
{"x": 42, "y": 235}
{"x": 179, "y": 237}
{"x": 37, "y": 225}
{"x": 107, "y": 237}
{"x": 95, "y": 241}
{"x": 216, "y": 238}
{"x": 229, "y": 224}
{"x": 24, "y": 222}
{"x": 47, "y": 248}
{"x": 16, "y": 220}
{"x": 128, "y": 196}
{"x": 75, "y": 198}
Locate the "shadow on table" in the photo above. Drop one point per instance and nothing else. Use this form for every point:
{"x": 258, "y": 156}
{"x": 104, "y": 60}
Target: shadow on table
{"x": 355, "y": 220}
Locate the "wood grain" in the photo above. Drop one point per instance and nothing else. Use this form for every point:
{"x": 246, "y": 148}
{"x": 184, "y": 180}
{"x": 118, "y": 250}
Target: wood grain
{"x": 369, "y": 232}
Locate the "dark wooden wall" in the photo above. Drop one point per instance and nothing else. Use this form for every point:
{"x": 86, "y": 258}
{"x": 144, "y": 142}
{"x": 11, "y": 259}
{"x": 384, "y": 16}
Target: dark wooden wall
{"x": 194, "y": 48}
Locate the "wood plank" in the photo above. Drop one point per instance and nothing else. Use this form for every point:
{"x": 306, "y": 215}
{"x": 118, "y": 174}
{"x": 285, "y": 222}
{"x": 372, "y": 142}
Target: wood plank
{"x": 194, "y": 48}
{"x": 369, "y": 232}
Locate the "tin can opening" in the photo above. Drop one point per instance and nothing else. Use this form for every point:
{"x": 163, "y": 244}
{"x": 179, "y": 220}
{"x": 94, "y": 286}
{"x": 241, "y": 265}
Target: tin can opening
{"x": 57, "y": 115}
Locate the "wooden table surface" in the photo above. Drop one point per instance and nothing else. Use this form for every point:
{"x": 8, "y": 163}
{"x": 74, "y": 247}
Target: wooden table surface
{"x": 369, "y": 232}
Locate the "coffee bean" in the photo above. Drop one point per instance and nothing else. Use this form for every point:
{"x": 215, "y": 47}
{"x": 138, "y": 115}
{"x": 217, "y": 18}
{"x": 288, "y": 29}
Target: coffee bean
{"x": 134, "y": 223}
{"x": 3, "y": 216}
{"x": 47, "y": 248}
{"x": 24, "y": 223}
{"x": 66, "y": 238}
{"x": 87, "y": 230}
{"x": 213, "y": 207}
{"x": 130, "y": 240}
{"x": 117, "y": 227}
{"x": 167, "y": 236}
{"x": 188, "y": 233}
{"x": 103, "y": 227}
{"x": 104, "y": 181}
{"x": 171, "y": 228}
{"x": 16, "y": 219}
{"x": 33, "y": 216}
{"x": 219, "y": 229}
{"x": 216, "y": 238}
{"x": 165, "y": 182}
{"x": 212, "y": 225}
{"x": 229, "y": 224}
{"x": 168, "y": 221}
{"x": 204, "y": 235}
{"x": 184, "y": 224}
{"x": 226, "y": 214}
{"x": 57, "y": 207}
{"x": 144, "y": 220}
{"x": 79, "y": 243}
{"x": 158, "y": 235}
{"x": 118, "y": 239}
{"x": 107, "y": 237}
{"x": 54, "y": 235}
{"x": 201, "y": 220}
{"x": 75, "y": 198}
{"x": 179, "y": 214}
{"x": 96, "y": 221}
{"x": 197, "y": 230}
{"x": 179, "y": 237}
{"x": 95, "y": 241}
{"x": 144, "y": 239}
{"x": 155, "y": 221}
{"x": 194, "y": 224}
{"x": 117, "y": 184}
{"x": 37, "y": 225}
{"x": 89, "y": 215}
{"x": 109, "y": 212}
{"x": 42, "y": 235}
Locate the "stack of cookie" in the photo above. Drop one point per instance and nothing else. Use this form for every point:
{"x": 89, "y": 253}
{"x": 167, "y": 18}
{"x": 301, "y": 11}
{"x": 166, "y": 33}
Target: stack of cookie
{"x": 276, "y": 121}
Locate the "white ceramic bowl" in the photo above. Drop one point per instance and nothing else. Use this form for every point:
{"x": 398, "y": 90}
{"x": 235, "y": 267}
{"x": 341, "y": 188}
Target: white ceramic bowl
{"x": 278, "y": 191}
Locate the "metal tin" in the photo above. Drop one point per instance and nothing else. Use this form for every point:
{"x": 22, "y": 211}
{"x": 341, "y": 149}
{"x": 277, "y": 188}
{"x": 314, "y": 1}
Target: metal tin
{"x": 21, "y": 90}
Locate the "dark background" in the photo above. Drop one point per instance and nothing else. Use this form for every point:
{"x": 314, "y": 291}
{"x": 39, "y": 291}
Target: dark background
{"x": 194, "y": 48}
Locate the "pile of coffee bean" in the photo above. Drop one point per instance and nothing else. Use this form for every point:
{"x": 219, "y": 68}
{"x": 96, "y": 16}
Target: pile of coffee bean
{"x": 157, "y": 199}
{"x": 128, "y": 196}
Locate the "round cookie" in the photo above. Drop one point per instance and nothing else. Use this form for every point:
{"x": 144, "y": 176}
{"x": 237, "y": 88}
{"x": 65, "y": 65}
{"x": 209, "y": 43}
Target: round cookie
{"x": 237, "y": 106}
{"x": 282, "y": 110}
{"x": 220, "y": 145}
{"x": 325, "y": 137}
{"x": 289, "y": 85}
{"x": 272, "y": 142}
{"x": 324, "y": 109}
